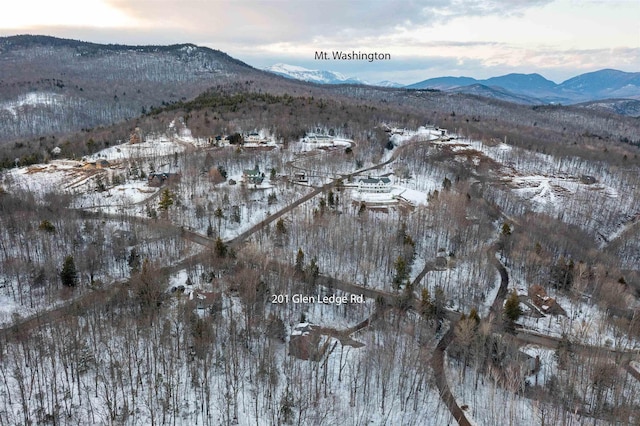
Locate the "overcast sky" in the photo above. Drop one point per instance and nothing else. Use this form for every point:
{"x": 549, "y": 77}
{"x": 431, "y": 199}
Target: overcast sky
{"x": 430, "y": 38}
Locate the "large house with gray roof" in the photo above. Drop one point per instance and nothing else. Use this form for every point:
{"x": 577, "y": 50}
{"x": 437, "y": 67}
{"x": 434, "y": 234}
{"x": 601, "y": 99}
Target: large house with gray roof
{"x": 374, "y": 185}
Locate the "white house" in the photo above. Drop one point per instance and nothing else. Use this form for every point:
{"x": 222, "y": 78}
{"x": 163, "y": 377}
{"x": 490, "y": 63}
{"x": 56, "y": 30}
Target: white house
{"x": 255, "y": 138}
{"x": 370, "y": 184}
{"x": 322, "y": 139}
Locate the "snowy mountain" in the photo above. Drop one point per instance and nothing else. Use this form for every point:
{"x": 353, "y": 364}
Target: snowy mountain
{"x": 313, "y": 76}
{"x": 321, "y": 76}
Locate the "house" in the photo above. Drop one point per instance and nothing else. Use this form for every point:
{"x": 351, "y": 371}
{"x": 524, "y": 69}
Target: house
{"x": 323, "y": 139}
{"x": 255, "y": 138}
{"x": 300, "y": 177}
{"x": 254, "y": 176}
{"x": 546, "y": 304}
{"x": 205, "y": 300}
{"x": 374, "y": 185}
{"x": 306, "y": 342}
{"x": 159, "y": 179}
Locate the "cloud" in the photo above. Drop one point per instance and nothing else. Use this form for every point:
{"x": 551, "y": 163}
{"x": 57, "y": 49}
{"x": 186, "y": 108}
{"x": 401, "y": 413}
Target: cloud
{"x": 294, "y": 21}
{"x": 450, "y": 9}
{"x": 477, "y": 38}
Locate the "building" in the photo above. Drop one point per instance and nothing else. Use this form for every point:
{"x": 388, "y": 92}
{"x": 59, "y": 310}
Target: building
{"x": 159, "y": 179}
{"x": 300, "y": 177}
{"x": 374, "y": 185}
{"x": 323, "y": 139}
{"x": 254, "y": 176}
{"x": 306, "y": 342}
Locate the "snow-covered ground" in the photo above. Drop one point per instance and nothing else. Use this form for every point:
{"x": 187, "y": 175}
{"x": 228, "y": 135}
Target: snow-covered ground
{"x": 392, "y": 197}
{"x": 124, "y": 195}
{"x": 336, "y": 142}
{"x": 32, "y": 99}
{"x": 154, "y": 146}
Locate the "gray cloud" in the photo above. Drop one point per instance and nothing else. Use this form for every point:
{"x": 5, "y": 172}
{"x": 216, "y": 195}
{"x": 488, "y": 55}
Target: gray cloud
{"x": 262, "y": 33}
{"x": 264, "y": 22}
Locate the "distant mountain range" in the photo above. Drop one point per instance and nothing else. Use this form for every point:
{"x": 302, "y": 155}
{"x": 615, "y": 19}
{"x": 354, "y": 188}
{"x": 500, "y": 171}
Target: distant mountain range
{"x": 528, "y": 89}
{"x": 51, "y": 86}
{"x": 535, "y": 89}
{"x": 321, "y": 76}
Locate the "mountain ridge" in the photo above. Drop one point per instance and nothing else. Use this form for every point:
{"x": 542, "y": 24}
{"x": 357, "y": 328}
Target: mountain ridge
{"x": 531, "y": 88}
{"x": 321, "y": 76}
{"x": 592, "y": 86}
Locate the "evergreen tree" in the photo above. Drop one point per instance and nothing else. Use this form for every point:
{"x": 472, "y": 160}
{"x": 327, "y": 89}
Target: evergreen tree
{"x": 218, "y": 214}
{"x": 512, "y": 307}
{"x": 446, "y": 184}
{"x": 402, "y": 272}
{"x": 68, "y": 275}
{"x": 427, "y": 308}
{"x": 331, "y": 199}
{"x": 300, "y": 261}
{"x": 221, "y": 248}
{"x": 166, "y": 200}
{"x": 134, "y": 260}
{"x": 362, "y": 208}
{"x": 47, "y": 226}
{"x": 313, "y": 271}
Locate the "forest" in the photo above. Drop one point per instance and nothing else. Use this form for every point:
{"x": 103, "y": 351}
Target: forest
{"x": 499, "y": 280}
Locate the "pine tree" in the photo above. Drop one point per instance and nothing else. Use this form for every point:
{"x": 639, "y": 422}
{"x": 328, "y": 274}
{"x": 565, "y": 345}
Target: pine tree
{"x": 313, "y": 271}
{"x": 300, "y": 261}
{"x": 68, "y": 275}
{"x": 166, "y": 200}
{"x": 512, "y": 307}
{"x": 446, "y": 184}
{"x": 427, "y": 308}
{"x": 362, "y": 208}
{"x": 402, "y": 272}
{"x": 218, "y": 214}
{"x": 47, "y": 226}
{"x": 221, "y": 248}
{"x": 134, "y": 260}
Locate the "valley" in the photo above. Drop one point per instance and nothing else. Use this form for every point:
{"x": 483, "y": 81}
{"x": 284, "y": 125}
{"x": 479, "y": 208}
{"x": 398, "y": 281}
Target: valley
{"x": 275, "y": 252}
